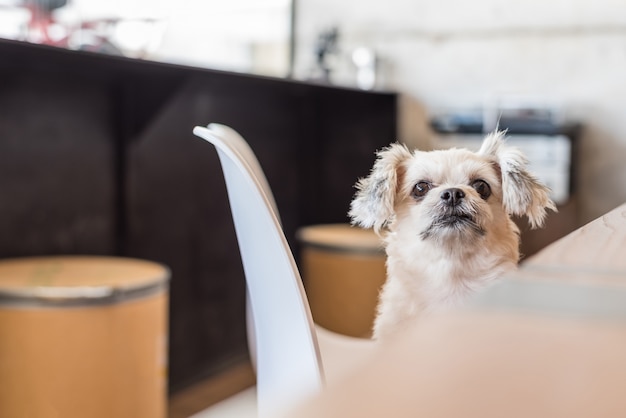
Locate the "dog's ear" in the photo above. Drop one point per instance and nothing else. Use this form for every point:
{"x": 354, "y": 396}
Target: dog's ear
{"x": 373, "y": 204}
{"x": 522, "y": 192}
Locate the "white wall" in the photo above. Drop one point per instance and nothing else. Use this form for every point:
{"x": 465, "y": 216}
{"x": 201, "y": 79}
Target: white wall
{"x": 442, "y": 54}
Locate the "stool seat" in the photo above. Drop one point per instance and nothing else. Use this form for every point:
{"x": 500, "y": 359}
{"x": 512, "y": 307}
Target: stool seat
{"x": 76, "y": 280}
{"x": 341, "y": 237}
{"x": 83, "y": 336}
{"x": 343, "y": 269}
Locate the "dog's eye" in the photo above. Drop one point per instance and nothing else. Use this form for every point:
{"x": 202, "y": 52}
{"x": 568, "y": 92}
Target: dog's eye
{"x": 421, "y": 188}
{"x": 482, "y": 188}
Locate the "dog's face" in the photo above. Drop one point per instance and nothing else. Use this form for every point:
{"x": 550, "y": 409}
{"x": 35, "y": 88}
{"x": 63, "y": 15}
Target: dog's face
{"x": 452, "y": 195}
{"x": 448, "y": 195}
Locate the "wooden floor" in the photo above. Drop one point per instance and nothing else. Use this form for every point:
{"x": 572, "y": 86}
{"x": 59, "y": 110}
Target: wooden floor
{"x": 206, "y": 393}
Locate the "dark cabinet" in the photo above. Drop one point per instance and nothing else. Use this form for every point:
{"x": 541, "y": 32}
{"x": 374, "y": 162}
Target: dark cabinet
{"x": 97, "y": 157}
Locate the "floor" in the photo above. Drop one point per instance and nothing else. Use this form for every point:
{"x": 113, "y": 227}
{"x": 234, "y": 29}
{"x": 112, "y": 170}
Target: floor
{"x": 197, "y": 398}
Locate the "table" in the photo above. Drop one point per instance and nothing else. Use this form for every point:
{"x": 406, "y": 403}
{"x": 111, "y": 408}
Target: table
{"x": 548, "y": 340}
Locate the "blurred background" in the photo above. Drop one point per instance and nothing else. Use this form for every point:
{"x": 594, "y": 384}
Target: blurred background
{"x": 103, "y": 95}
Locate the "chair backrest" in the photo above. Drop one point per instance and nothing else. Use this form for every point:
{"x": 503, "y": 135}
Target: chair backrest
{"x": 287, "y": 355}
{"x": 236, "y": 141}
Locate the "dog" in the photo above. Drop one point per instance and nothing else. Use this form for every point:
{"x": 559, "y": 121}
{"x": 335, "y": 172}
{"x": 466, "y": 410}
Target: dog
{"x": 447, "y": 221}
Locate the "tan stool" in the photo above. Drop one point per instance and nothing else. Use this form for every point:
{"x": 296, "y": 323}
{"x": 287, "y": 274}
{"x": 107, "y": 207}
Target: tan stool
{"x": 83, "y": 337}
{"x": 343, "y": 269}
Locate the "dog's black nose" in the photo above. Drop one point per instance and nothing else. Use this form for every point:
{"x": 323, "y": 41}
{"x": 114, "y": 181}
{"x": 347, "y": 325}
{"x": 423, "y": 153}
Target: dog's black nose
{"x": 452, "y": 197}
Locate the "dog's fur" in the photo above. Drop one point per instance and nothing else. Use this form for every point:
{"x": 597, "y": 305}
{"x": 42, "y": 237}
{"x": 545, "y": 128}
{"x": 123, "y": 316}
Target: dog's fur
{"x": 444, "y": 239}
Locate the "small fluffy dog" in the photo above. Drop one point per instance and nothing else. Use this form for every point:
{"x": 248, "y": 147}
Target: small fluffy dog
{"x": 447, "y": 216}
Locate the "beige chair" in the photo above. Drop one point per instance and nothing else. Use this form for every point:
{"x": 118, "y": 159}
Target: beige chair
{"x": 293, "y": 357}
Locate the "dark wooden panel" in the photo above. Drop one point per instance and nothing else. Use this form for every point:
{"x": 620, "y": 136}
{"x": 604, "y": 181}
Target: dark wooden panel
{"x": 347, "y": 129}
{"x": 57, "y": 191}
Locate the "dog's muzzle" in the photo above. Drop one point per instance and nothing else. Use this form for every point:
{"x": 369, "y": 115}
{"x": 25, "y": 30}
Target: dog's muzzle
{"x": 453, "y": 215}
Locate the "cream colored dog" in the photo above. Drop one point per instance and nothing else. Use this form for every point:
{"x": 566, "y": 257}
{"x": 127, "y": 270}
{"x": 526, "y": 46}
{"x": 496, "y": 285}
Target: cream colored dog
{"x": 448, "y": 226}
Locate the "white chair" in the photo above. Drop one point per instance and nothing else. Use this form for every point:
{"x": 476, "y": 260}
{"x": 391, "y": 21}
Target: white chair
{"x": 293, "y": 357}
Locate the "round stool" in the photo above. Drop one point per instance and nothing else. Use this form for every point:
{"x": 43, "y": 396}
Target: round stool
{"x": 83, "y": 337}
{"x": 343, "y": 269}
